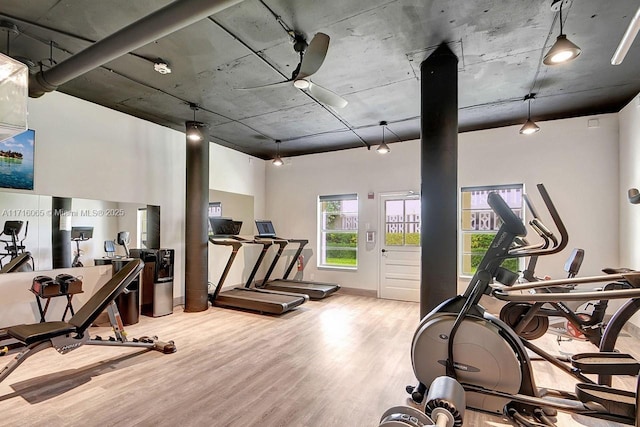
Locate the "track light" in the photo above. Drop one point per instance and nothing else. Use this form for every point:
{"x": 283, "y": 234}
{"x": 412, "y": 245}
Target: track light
{"x": 194, "y": 128}
{"x": 277, "y": 161}
{"x": 529, "y": 126}
{"x": 563, "y": 50}
{"x": 383, "y": 148}
{"x": 627, "y": 40}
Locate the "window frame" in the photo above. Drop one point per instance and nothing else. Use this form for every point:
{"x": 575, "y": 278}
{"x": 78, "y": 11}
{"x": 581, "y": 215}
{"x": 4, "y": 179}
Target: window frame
{"x": 403, "y": 224}
{"x": 321, "y": 230}
{"x": 468, "y": 232}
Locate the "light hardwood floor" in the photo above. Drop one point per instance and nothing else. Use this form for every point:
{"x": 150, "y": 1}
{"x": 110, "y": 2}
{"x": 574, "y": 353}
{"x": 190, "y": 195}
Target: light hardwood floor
{"x": 337, "y": 362}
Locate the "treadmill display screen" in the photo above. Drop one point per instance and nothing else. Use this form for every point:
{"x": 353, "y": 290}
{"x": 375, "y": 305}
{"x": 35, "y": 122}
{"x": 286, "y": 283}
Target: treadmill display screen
{"x": 225, "y": 226}
{"x": 265, "y": 229}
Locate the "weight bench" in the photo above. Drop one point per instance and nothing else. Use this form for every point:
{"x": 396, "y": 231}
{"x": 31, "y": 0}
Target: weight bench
{"x": 23, "y": 262}
{"x": 67, "y": 336}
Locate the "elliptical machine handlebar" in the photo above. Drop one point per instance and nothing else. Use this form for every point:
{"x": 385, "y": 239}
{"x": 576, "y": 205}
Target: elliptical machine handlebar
{"x": 538, "y": 225}
{"x": 543, "y": 230}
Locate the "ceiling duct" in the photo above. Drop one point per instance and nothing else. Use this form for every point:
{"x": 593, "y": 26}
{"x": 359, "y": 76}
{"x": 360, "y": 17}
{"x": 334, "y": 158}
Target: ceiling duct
{"x": 173, "y": 17}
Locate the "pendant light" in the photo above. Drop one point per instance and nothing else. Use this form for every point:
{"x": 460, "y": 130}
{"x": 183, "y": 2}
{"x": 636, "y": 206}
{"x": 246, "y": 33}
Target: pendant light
{"x": 194, "y": 132}
{"x": 529, "y": 126}
{"x": 277, "y": 161}
{"x": 383, "y": 148}
{"x": 562, "y": 50}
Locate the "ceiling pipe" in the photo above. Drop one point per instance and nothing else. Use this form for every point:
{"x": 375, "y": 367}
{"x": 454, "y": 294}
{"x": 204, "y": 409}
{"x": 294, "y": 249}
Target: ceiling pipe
{"x": 171, "y": 18}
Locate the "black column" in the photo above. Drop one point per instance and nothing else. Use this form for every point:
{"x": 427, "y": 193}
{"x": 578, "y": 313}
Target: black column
{"x": 439, "y": 170}
{"x": 60, "y": 239}
{"x": 153, "y": 227}
{"x": 196, "y": 239}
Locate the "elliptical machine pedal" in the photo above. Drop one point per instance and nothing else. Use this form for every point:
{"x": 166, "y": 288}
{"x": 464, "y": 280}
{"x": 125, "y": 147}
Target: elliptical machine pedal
{"x": 416, "y": 392}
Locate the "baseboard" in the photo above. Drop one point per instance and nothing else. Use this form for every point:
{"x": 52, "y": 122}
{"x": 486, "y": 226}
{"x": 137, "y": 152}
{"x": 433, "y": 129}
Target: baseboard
{"x": 359, "y": 292}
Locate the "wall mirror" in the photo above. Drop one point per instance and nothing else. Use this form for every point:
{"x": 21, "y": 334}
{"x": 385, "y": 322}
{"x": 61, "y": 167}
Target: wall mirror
{"x": 237, "y": 206}
{"x": 35, "y": 211}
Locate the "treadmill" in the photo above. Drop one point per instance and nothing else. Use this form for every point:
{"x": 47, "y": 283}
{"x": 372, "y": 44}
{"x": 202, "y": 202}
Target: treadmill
{"x": 263, "y": 301}
{"x": 315, "y": 290}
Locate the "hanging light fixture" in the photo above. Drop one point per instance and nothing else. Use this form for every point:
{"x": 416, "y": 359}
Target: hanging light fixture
{"x": 277, "y": 161}
{"x": 383, "y": 148}
{"x": 562, "y": 50}
{"x": 194, "y": 128}
{"x": 529, "y": 126}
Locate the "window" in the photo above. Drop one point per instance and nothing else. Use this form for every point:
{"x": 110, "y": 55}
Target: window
{"x": 338, "y": 231}
{"x": 402, "y": 222}
{"x": 479, "y": 223}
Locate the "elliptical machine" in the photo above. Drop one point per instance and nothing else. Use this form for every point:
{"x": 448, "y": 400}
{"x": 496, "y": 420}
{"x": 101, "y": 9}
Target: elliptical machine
{"x": 461, "y": 340}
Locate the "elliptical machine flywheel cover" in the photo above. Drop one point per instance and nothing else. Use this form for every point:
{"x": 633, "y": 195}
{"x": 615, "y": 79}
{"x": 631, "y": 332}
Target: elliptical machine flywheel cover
{"x": 481, "y": 357}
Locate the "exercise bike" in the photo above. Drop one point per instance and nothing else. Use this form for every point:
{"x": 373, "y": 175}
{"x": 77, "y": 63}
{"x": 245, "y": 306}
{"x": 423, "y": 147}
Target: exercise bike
{"x": 79, "y": 234}
{"x": 461, "y": 340}
{"x": 567, "y": 320}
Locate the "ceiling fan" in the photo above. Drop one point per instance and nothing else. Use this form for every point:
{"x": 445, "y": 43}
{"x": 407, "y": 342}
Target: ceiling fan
{"x": 311, "y": 58}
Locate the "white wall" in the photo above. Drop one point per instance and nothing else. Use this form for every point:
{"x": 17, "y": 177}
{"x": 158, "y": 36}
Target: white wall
{"x": 629, "y": 118}
{"x": 293, "y": 191}
{"x": 235, "y": 172}
{"x": 577, "y": 164}
{"x": 629, "y": 121}
{"x": 88, "y": 151}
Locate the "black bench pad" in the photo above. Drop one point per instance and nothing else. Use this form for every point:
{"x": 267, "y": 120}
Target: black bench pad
{"x": 29, "y": 334}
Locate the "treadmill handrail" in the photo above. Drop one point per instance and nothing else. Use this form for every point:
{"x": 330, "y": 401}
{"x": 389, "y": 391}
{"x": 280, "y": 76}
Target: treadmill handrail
{"x": 235, "y": 243}
{"x": 304, "y": 241}
{"x": 235, "y": 247}
{"x": 266, "y": 244}
{"x": 282, "y": 243}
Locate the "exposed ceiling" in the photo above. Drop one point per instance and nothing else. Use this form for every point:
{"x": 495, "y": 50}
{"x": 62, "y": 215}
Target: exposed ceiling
{"x": 373, "y": 62}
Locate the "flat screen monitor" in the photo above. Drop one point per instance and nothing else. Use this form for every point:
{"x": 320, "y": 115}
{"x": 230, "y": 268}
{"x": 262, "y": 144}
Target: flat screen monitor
{"x": 225, "y": 226}
{"x": 12, "y": 228}
{"x": 265, "y": 228}
{"x": 81, "y": 233}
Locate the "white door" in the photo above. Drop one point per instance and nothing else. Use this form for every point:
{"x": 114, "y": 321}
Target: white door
{"x": 400, "y": 246}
